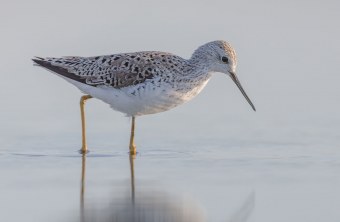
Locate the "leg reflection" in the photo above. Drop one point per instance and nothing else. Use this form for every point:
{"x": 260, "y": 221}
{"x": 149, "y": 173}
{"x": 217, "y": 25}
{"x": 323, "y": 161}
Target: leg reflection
{"x": 132, "y": 158}
{"x": 82, "y": 189}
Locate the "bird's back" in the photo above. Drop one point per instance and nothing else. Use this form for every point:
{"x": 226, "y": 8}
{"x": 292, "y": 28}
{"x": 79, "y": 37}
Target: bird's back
{"x": 117, "y": 71}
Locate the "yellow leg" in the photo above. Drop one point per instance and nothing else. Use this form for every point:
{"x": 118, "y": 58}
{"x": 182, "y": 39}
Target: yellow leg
{"x": 83, "y": 126}
{"x": 132, "y": 137}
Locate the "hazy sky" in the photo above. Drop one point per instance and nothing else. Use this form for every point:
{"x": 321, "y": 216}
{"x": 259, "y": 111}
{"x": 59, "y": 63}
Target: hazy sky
{"x": 288, "y": 61}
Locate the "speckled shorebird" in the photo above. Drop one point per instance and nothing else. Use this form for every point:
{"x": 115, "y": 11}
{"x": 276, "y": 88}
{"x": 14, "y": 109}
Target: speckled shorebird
{"x": 142, "y": 83}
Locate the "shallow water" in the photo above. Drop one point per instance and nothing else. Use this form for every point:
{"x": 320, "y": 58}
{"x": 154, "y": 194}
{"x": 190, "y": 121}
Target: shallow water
{"x": 216, "y": 182}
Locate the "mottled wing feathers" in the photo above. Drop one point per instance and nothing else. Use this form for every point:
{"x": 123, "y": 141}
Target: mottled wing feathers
{"x": 117, "y": 71}
{"x": 60, "y": 70}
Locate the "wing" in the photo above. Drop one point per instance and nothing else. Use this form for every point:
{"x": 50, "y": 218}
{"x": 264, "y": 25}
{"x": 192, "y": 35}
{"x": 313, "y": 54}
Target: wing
{"x": 118, "y": 71}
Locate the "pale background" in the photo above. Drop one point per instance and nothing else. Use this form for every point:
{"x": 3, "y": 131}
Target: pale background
{"x": 288, "y": 63}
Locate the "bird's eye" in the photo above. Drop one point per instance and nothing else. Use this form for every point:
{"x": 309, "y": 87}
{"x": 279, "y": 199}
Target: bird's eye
{"x": 224, "y": 59}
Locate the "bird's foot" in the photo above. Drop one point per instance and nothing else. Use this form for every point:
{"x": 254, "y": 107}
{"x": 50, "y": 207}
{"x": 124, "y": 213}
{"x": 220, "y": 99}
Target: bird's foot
{"x": 133, "y": 150}
{"x": 84, "y": 150}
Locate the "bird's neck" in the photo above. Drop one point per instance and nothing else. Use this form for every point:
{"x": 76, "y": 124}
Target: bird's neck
{"x": 199, "y": 66}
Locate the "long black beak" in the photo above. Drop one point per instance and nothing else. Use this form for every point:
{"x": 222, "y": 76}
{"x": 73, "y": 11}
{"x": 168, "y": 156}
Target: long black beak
{"x": 237, "y": 82}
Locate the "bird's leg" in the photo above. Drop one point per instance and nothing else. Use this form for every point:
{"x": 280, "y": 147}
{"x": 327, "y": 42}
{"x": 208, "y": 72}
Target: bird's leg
{"x": 83, "y": 126}
{"x": 132, "y": 137}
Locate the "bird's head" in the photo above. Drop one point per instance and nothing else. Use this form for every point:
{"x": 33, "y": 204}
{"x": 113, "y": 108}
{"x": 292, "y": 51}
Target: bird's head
{"x": 221, "y": 57}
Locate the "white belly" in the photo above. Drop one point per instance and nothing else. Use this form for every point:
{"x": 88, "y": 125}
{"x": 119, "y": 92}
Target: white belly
{"x": 163, "y": 99}
{"x": 137, "y": 101}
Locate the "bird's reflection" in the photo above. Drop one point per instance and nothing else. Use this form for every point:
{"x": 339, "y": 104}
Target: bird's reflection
{"x": 150, "y": 206}
{"x": 132, "y": 158}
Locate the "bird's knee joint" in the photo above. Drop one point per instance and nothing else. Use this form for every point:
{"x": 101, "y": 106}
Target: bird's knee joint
{"x": 84, "y": 98}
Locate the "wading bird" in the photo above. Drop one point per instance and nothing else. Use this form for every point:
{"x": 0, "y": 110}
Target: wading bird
{"x": 142, "y": 83}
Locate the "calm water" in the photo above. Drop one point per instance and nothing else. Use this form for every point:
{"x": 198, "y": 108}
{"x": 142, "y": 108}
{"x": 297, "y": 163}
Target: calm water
{"x": 197, "y": 181}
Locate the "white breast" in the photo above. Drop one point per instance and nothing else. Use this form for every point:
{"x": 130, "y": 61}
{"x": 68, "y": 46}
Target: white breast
{"x": 165, "y": 97}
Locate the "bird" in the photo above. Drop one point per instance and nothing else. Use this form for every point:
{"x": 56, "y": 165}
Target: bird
{"x": 145, "y": 82}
